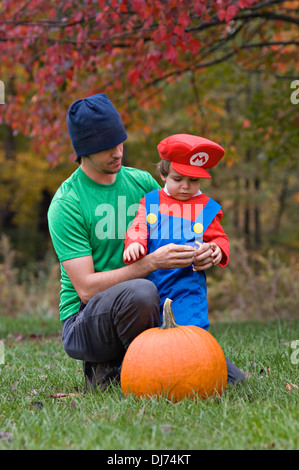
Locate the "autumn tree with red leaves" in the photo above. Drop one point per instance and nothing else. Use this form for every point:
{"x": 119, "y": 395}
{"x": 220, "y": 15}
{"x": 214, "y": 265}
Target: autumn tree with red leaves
{"x": 222, "y": 68}
{"x": 53, "y": 52}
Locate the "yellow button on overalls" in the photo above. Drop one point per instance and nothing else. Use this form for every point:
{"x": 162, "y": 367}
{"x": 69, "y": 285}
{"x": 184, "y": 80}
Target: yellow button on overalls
{"x": 198, "y": 228}
{"x": 151, "y": 218}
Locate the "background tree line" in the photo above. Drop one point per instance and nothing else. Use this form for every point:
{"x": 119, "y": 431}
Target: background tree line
{"x": 221, "y": 69}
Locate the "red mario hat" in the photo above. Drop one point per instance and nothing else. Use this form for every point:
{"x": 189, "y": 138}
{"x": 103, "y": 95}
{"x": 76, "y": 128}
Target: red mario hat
{"x": 190, "y": 155}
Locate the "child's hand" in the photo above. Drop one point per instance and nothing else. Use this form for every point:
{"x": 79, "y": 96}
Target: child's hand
{"x": 217, "y": 253}
{"x": 133, "y": 252}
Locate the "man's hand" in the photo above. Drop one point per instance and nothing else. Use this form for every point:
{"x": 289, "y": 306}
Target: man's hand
{"x": 171, "y": 256}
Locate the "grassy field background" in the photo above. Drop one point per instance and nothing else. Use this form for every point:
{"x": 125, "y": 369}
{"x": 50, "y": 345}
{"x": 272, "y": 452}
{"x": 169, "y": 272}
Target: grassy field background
{"x": 43, "y": 403}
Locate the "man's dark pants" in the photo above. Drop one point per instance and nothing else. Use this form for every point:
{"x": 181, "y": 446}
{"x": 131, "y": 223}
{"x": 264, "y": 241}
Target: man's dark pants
{"x": 103, "y": 329}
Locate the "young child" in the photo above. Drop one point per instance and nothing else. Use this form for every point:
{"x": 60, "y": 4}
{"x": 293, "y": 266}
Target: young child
{"x": 180, "y": 213}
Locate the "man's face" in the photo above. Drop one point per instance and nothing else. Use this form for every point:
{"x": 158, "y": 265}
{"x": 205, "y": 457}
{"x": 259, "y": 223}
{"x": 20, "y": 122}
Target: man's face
{"x": 108, "y": 161}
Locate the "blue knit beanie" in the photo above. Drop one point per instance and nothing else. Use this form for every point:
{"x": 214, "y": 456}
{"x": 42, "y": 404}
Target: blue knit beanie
{"x": 94, "y": 125}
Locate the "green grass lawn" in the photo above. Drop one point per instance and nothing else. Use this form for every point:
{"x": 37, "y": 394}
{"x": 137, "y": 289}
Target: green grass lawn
{"x": 262, "y": 414}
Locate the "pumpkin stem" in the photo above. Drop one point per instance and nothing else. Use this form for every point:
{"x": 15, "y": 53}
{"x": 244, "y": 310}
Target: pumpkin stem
{"x": 168, "y": 316}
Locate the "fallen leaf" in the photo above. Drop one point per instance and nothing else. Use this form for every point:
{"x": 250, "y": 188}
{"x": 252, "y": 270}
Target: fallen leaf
{"x": 6, "y": 436}
{"x": 63, "y": 395}
{"x": 290, "y": 387}
{"x": 270, "y": 445}
{"x": 15, "y": 336}
{"x": 35, "y": 336}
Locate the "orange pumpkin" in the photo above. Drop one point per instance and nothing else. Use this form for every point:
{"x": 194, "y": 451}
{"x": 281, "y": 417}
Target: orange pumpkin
{"x": 174, "y": 361}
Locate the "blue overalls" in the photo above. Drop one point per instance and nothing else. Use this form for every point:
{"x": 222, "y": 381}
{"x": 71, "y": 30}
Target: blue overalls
{"x": 185, "y": 287}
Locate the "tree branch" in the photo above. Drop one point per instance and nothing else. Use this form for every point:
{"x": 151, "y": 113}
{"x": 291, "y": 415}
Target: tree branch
{"x": 268, "y": 16}
{"x": 269, "y": 44}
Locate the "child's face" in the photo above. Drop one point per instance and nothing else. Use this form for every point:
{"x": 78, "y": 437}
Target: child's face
{"x": 179, "y": 186}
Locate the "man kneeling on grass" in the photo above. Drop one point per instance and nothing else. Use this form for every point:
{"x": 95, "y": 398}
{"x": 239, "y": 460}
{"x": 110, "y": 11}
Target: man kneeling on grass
{"x": 105, "y": 304}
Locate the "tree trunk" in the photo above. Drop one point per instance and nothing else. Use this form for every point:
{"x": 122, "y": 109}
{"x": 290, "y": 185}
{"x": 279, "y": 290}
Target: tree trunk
{"x": 257, "y": 219}
{"x": 247, "y": 231}
{"x": 282, "y": 204}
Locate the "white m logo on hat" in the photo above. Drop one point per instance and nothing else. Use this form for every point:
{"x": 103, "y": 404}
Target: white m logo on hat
{"x": 199, "y": 159}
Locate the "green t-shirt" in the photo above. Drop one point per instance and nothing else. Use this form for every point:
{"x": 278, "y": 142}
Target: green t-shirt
{"x": 88, "y": 218}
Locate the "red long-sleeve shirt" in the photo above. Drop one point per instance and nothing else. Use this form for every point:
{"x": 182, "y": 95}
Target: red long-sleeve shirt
{"x": 138, "y": 232}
